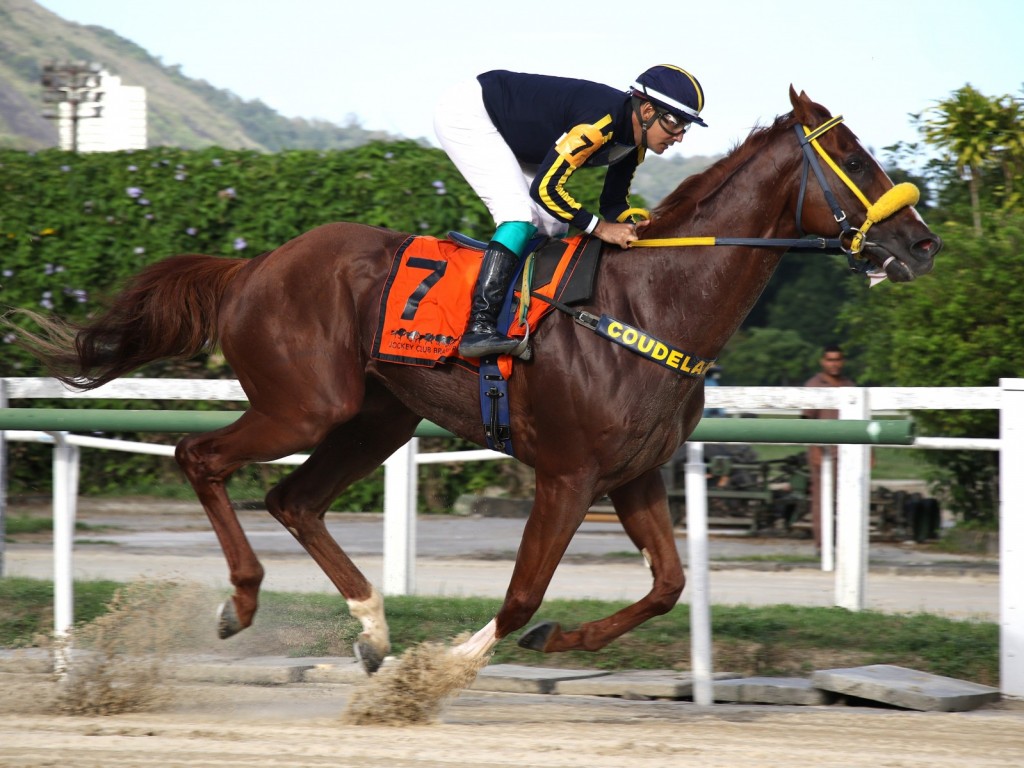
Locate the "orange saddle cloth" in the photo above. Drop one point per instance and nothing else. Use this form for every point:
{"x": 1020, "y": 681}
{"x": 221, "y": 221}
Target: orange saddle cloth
{"x": 425, "y": 303}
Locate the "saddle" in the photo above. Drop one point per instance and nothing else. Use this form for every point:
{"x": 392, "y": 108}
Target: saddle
{"x": 425, "y": 306}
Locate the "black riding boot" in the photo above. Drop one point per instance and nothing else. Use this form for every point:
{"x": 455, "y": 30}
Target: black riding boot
{"x": 481, "y": 337}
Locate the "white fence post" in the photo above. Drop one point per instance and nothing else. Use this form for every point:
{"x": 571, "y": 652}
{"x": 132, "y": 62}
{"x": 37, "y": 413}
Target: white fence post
{"x": 400, "y": 521}
{"x": 1011, "y": 538}
{"x": 65, "y": 492}
{"x": 854, "y": 497}
{"x": 3, "y": 481}
{"x": 827, "y": 497}
{"x": 699, "y": 583}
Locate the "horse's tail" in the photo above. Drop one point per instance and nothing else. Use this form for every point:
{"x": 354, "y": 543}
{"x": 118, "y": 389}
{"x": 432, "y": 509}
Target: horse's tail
{"x": 166, "y": 311}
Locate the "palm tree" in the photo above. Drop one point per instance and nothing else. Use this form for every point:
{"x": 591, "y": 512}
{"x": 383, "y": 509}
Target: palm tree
{"x": 966, "y": 126}
{"x": 1009, "y": 141}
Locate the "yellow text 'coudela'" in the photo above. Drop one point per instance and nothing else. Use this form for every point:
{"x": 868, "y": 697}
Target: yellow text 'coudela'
{"x": 653, "y": 348}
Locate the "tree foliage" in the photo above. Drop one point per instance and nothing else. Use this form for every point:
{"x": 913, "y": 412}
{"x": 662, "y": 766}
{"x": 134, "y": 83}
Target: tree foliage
{"x": 962, "y": 325}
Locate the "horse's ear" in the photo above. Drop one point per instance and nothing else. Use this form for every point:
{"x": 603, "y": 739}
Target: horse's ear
{"x": 802, "y": 105}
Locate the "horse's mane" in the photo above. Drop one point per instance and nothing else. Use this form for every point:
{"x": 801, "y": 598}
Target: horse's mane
{"x": 700, "y": 186}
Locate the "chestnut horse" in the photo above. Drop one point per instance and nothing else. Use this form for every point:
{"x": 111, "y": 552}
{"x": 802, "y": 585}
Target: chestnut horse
{"x": 297, "y": 324}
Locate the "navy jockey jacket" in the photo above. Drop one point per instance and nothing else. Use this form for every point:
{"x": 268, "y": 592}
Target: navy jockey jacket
{"x": 560, "y": 124}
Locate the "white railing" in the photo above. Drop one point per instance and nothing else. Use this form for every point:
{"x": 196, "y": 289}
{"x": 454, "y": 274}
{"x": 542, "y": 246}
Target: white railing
{"x": 851, "y": 555}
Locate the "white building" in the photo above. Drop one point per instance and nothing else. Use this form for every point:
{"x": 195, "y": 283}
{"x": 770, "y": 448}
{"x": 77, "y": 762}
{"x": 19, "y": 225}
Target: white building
{"x": 121, "y": 123}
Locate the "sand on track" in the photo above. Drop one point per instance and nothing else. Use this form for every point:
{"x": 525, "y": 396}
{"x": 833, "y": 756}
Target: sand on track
{"x": 299, "y": 725}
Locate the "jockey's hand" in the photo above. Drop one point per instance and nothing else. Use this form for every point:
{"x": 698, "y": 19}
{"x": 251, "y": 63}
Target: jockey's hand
{"x": 618, "y": 234}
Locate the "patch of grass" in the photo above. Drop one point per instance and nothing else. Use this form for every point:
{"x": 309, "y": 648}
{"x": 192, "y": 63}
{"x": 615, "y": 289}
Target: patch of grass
{"x": 27, "y": 524}
{"x": 22, "y": 524}
{"x": 26, "y": 608}
{"x": 770, "y": 640}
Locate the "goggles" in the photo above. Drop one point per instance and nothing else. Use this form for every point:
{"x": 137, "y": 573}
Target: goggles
{"x": 672, "y": 124}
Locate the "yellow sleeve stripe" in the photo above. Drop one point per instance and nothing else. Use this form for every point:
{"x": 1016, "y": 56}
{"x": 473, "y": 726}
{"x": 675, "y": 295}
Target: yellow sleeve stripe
{"x": 564, "y": 206}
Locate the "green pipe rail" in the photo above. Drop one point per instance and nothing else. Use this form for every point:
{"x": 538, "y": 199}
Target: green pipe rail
{"x": 723, "y": 430}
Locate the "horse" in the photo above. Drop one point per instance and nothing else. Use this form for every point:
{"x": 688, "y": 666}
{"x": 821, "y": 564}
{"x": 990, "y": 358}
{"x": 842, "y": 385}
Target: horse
{"x": 296, "y": 325}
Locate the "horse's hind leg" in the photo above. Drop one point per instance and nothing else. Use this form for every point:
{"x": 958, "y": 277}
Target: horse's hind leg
{"x": 208, "y": 460}
{"x": 642, "y": 506}
{"x": 299, "y": 502}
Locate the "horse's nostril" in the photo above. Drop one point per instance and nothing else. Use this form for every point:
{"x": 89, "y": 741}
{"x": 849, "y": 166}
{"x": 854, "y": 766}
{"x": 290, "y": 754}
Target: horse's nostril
{"x": 927, "y": 247}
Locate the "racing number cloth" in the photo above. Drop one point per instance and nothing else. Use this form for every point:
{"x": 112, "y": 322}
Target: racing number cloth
{"x": 426, "y": 301}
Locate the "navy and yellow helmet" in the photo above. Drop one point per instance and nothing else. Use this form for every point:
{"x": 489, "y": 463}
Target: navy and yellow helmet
{"x": 673, "y": 89}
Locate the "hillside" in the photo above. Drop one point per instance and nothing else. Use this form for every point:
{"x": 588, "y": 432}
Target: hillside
{"x": 182, "y": 112}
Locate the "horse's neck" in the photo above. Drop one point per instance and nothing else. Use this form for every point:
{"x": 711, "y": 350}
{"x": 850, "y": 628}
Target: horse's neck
{"x": 706, "y": 292}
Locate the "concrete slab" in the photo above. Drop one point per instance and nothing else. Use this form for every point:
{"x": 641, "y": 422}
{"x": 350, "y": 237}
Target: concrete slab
{"x": 637, "y": 684}
{"x": 772, "y": 690}
{"x": 262, "y": 670}
{"x": 516, "y": 678}
{"x": 908, "y": 688}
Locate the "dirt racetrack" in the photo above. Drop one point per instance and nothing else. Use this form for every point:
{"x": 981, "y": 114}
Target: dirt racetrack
{"x": 298, "y": 725}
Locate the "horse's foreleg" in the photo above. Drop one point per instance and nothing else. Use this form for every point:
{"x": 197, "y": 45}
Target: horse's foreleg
{"x": 299, "y": 502}
{"x": 558, "y": 510}
{"x": 642, "y": 507}
{"x": 208, "y": 460}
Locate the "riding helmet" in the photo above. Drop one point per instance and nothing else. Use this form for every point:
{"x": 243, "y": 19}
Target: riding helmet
{"x": 673, "y": 89}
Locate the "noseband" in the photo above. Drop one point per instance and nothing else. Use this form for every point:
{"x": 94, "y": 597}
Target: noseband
{"x": 851, "y": 240}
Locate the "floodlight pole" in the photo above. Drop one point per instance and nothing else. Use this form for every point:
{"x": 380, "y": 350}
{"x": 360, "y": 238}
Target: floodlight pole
{"x": 75, "y": 83}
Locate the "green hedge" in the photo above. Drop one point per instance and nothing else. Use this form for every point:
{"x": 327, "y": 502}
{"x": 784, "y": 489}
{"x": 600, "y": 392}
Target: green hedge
{"x": 72, "y": 227}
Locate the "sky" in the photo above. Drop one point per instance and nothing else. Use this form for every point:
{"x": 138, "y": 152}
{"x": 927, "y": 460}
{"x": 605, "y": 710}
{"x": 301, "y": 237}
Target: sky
{"x": 384, "y": 66}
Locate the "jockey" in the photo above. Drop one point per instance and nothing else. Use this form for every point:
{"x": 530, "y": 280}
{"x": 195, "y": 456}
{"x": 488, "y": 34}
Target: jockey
{"x": 517, "y": 138}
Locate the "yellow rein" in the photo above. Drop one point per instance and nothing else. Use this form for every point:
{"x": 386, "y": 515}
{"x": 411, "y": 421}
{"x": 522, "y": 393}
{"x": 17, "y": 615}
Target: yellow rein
{"x": 893, "y": 200}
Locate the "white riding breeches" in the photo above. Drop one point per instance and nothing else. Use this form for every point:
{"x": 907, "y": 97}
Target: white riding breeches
{"x": 486, "y": 162}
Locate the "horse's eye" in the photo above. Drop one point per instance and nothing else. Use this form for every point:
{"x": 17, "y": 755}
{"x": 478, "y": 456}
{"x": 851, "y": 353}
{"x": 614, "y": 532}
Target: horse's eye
{"x": 854, "y": 165}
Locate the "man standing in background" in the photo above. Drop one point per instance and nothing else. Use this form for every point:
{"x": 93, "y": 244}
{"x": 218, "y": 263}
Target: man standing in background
{"x": 830, "y": 375}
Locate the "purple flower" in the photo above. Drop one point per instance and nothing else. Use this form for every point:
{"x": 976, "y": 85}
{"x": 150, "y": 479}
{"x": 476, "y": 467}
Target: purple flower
{"x": 10, "y": 338}
{"x": 48, "y": 269}
{"x": 132, "y": 168}
{"x": 240, "y": 243}
{"x": 216, "y": 162}
{"x": 7, "y": 273}
{"x": 133, "y": 192}
{"x": 191, "y": 231}
{"x": 143, "y": 201}
{"x": 227, "y": 194}
{"x": 139, "y": 250}
{"x": 180, "y": 176}
{"x": 65, "y": 168}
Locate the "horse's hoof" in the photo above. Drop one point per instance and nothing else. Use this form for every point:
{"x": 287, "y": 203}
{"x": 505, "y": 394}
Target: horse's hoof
{"x": 228, "y": 623}
{"x": 536, "y": 638}
{"x": 368, "y": 656}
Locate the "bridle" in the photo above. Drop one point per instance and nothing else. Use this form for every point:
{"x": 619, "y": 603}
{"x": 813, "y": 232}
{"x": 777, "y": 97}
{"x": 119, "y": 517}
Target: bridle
{"x": 851, "y": 240}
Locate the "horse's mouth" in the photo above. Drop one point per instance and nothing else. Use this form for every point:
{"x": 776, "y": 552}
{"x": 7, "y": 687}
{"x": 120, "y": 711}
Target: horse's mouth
{"x": 915, "y": 262}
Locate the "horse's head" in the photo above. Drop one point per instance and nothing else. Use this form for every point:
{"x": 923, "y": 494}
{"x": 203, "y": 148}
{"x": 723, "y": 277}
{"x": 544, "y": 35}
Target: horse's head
{"x": 854, "y": 195}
